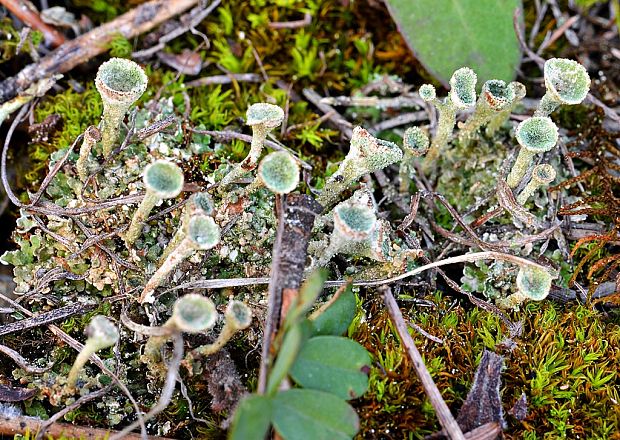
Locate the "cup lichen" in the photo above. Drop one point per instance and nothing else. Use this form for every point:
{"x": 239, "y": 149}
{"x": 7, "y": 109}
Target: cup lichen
{"x": 567, "y": 83}
{"x": 162, "y": 180}
{"x": 278, "y": 172}
{"x": 238, "y": 316}
{"x": 535, "y": 135}
{"x": 120, "y": 82}
{"x": 542, "y": 174}
{"x": 263, "y": 118}
{"x": 353, "y": 224}
{"x": 415, "y": 144}
{"x": 202, "y": 233}
{"x": 101, "y": 334}
{"x": 462, "y": 95}
{"x": 92, "y": 135}
{"x": 366, "y": 155}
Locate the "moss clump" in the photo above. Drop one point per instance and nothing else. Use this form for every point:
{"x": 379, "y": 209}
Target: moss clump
{"x": 564, "y": 362}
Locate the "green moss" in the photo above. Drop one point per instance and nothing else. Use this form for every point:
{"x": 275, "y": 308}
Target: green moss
{"x": 565, "y": 362}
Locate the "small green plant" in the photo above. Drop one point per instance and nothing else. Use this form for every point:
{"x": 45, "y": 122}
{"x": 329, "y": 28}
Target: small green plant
{"x": 237, "y": 317}
{"x": 496, "y": 97}
{"x": 499, "y": 118}
{"x": 191, "y": 313}
{"x": 198, "y": 203}
{"x": 328, "y": 368}
{"x": 532, "y": 283}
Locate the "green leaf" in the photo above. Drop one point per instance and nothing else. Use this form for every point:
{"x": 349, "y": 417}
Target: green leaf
{"x": 252, "y": 418}
{"x": 308, "y": 293}
{"x": 334, "y": 364}
{"x": 448, "y": 34}
{"x": 303, "y": 414}
{"x": 336, "y": 318}
{"x": 291, "y": 344}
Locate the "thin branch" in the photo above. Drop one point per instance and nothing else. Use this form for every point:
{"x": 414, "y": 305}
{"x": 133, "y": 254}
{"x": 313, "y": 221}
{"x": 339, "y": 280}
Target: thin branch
{"x": 21, "y": 361}
{"x": 274, "y": 297}
{"x": 195, "y": 16}
{"x": 306, "y": 21}
{"x": 81, "y": 49}
{"x": 444, "y": 415}
{"x": 30, "y": 17}
{"x": 224, "y": 79}
{"x": 230, "y": 135}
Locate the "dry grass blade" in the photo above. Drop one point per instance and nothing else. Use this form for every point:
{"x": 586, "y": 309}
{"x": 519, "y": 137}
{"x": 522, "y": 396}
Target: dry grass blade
{"x": 444, "y": 415}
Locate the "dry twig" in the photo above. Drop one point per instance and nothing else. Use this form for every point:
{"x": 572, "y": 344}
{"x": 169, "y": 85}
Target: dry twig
{"x": 444, "y": 415}
{"x": 88, "y": 45}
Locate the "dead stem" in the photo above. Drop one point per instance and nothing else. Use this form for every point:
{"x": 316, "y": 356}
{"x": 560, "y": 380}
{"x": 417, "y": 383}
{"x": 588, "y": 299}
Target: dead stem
{"x": 444, "y": 415}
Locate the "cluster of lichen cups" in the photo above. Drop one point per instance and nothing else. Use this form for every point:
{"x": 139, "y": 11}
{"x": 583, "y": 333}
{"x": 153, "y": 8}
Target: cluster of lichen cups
{"x": 192, "y": 314}
{"x": 356, "y": 229}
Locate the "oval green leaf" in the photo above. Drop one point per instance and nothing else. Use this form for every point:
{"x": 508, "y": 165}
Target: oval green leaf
{"x": 334, "y": 364}
{"x": 252, "y": 418}
{"x": 445, "y": 35}
{"x": 302, "y": 414}
{"x": 336, "y": 318}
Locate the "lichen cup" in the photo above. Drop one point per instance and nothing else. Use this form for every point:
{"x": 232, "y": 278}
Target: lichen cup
{"x": 535, "y": 135}
{"x": 120, "y": 83}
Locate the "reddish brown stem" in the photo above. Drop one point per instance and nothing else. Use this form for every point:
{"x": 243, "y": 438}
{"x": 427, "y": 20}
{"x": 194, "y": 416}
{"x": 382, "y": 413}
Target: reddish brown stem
{"x": 30, "y": 17}
{"x": 20, "y": 425}
{"x": 81, "y": 49}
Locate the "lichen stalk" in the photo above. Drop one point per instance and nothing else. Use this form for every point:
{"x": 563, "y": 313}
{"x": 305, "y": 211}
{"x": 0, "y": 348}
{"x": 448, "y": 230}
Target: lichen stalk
{"x": 519, "y": 169}
{"x": 181, "y": 252}
{"x": 259, "y": 134}
{"x": 113, "y": 116}
{"x": 238, "y": 317}
{"x": 531, "y": 187}
{"x": 367, "y": 154}
{"x": 81, "y": 359}
{"x": 541, "y": 175}
{"x": 137, "y": 222}
{"x": 120, "y": 82}
{"x": 91, "y": 136}
{"x": 500, "y": 118}
{"x": 547, "y": 105}
{"x": 445, "y": 126}
{"x": 415, "y": 144}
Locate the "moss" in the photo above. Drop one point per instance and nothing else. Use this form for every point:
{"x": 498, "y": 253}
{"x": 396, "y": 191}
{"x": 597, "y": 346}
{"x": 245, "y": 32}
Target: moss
{"x": 565, "y": 363}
